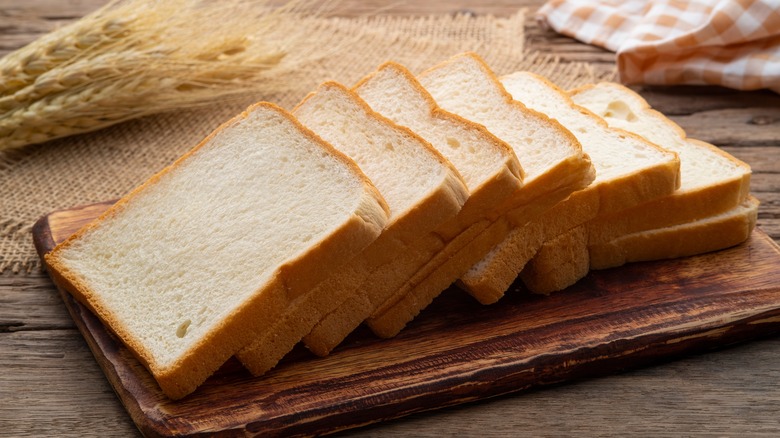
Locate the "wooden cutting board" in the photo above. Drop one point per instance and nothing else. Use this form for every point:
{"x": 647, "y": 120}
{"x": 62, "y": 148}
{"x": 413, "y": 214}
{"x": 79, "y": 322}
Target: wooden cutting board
{"x": 457, "y": 351}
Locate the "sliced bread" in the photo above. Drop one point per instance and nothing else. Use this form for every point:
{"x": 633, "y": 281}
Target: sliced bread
{"x": 488, "y": 279}
{"x": 713, "y": 233}
{"x": 568, "y": 257}
{"x": 552, "y": 159}
{"x": 712, "y": 180}
{"x": 559, "y": 263}
{"x": 629, "y": 171}
{"x": 488, "y": 166}
{"x": 420, "y": 186}
{"x": 204, "y": 256}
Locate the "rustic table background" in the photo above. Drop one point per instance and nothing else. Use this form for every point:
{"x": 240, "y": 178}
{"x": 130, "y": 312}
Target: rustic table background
{"x": 50, "y": 385}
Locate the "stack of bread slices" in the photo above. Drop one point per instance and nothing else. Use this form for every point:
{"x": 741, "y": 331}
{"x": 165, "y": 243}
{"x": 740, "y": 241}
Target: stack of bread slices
{"x": 361, "y": 205}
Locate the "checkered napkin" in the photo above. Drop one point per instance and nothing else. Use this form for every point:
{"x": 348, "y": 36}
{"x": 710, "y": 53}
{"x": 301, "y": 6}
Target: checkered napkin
{"x": 734, "y": 43}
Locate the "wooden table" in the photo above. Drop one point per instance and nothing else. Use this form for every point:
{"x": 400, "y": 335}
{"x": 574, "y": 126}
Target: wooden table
{"x": 51, "y": 385}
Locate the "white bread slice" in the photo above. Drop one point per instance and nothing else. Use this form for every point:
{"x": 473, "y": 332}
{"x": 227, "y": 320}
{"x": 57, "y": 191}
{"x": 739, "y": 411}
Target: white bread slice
{"x": 713, "y": 181}
{"x": 704, "y": 235}
{"x": 488, "y": 279}
{"x": 551, "y": 157}
{"x": 629, "y": 171}
{"x": 559, "y": 263}
{"x": 569, "y": 258}
{"x": 420, "y": 186}
{"x": 201, "y": 258}
{"x": 488, "y": 166}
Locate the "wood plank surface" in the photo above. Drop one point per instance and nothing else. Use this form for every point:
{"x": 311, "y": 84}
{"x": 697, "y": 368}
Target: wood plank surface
{"x": 51, "y": 385}
{"x": 611, "y": 320}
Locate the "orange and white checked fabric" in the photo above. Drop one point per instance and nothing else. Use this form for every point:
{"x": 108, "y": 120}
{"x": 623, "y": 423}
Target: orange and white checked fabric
{"x": 734, "y": 43}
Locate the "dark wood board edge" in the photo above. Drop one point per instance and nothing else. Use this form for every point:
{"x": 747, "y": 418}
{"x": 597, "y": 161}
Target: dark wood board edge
{"x": 716, "y": 335}
{"x": 739, "y": 332}
{"x": 602, "y": 362}
{"x": 42, "y": 238}
{"x": 599, "y": 361}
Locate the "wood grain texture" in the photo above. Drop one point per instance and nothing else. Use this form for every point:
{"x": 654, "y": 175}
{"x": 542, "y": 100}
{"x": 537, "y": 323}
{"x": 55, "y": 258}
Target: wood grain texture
{"x": 731, "y": 126}
{"x": 51, "y": 385}
{"x": 612, "y": 320}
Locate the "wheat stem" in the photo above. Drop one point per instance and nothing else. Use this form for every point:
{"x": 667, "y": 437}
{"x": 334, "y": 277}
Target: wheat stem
{"x": 137, "y": 57}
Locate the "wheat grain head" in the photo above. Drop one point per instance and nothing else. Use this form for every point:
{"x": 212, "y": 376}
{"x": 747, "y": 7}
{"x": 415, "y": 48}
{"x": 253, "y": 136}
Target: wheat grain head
{"x": 137, "y": 57}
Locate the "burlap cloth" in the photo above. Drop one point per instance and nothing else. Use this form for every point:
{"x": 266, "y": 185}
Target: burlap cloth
{"x": 106, "y": 164}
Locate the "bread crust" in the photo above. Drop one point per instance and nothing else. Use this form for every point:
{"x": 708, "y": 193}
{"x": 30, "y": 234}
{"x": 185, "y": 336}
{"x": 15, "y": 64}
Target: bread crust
{"x": 469, "y": 248}
{"x": 493, "y": 190}
{"x": 500, "y": 269}
{"x": 488, "y": 283}
{"x": 489, "y": 192}
{"x": 538, "y": 194}
{"x": 417, "y": 216}
{"x": 568, "y": 258}
{"x": 687, "y": 205}
{"x": 564, "y": 265}
{"x": 702, "y": 236}
{"x": 577, "y": 164}
{"x": 499, "y": 146}
{"x": 185, "y": 374}
{"x": 439, "y": 205}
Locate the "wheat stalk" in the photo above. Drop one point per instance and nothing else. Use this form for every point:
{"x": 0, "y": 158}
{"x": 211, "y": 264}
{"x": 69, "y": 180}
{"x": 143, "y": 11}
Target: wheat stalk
{"x": 137, "y": 57}
{"x": 19, "y": 69}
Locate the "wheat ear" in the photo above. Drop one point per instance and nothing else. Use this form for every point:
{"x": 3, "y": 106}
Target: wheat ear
{"x": 137, "y": 57}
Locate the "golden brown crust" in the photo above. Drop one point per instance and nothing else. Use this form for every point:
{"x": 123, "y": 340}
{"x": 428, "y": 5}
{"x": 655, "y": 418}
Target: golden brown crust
{"x": 450, "y": 264}
{"x": 631, "y": 189}
{"x": 389, "y": 319}
{"x": 701, "y": 236}
{"x": 670, "y": 210}
{"x": 329, "y": 332}
{"x": 665, "y": 211}
{"x": 495, "y": 277}
{"x": 616, "y": 194}
{"x": 639, "y": 186}
{"x": 418, "y": 216}
{"x": 436, "y": 276}
{"x": 364, "y": 106}
{"x": 492, "y": 191}
{"x": 543, "y": 193}
{"x": 567, "y": 96}
{"x": 463, "y": 259}
{"x": 652, "y": 112}
{"x": 205, "y": 357}
{"x": 642, "y": 102}
{"x": 440, "y": 204}
{"x": 683, "y": 205}
{"x": 577, "y": 154}
{"x": 436, "y": 111}
{"x": 263, "y": 352}
{"x": 560, "y": 264}
{"x": 505, "y": 94}
{"x": 571, "y": 174}
{"x": 698, "y": 237}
